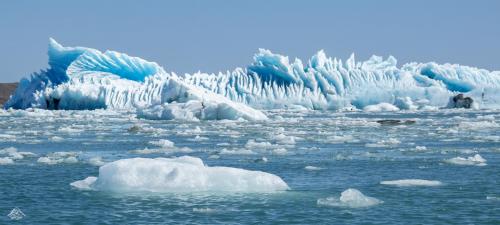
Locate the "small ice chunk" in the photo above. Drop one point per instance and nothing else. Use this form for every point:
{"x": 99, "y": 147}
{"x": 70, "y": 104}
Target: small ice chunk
{"x": 284, "y": 139}
{"x": 6, "y": 161}
{"x": 341, "y": 139}
{"x": 312, "y": 168}
{"x": 350, "y": 198}
{"x": 261, "y": 160}
{"x": 280, "y": 151}
{"x": 252, "y": 144}
{"x": 58, "y": 157}
{"x": 96, "y": 161}
{"x": 381, "y": 107}
{"x": 161, "y": 150}
{"x": 164, "y": 143}
{"x": 14, "y": 154}
{"x": 226, "y": 151}
{"x": 475, "y": 160}
{"x": 492, "y": 198}
{"x": 420, "y": 148}
{"x": 84, "y": 184}
{"x": 412, "y": 182}
{"x": 56, "y": 139}
{"x": 384, "y": 143}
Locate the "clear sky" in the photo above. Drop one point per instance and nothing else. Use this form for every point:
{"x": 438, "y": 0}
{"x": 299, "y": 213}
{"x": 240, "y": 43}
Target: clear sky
{"x": 210, "y": 36}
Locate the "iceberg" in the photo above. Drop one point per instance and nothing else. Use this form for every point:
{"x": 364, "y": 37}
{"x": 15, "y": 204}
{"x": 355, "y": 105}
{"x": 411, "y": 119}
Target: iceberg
{"x": 85, "y": 78}
{"x": 182, "y": 174}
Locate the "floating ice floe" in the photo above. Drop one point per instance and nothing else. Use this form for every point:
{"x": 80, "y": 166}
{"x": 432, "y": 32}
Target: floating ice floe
{"x": 312, "y": 168}
{"x": 384, "y": 143}
{"x": 350, "y": 198}
{"x": 412, "y": 182}
{"x": 182, "y": 174}
{"x": 165, "y": 146}
{"x": 341, "y": 139}
{"x": 59, "y": 157}
{"x": 96, "y": 161}
{"x": 6, "y": 161}
{"x": 13, "y": 154}
{"x": 226, "y": 151}
{"x": 475, "y": 160}
{"x": 164, "y": 143}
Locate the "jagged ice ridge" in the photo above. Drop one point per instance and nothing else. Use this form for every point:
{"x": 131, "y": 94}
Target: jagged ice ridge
{"x": 85, "y": 78}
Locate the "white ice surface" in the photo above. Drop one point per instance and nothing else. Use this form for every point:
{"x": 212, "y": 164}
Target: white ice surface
{"x": 182, "y": 174}
{"x": 476, "y": 160}
{"x": 85, "y": 78}
{"x": 350, "y": 198}
{"x": 412, "y": 182}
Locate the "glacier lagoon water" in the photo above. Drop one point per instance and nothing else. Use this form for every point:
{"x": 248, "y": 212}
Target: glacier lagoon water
{"x": 319, "y": 154}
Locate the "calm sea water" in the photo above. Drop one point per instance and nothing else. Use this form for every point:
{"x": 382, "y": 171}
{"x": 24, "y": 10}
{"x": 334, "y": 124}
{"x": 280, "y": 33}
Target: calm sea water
{"x": 350, "y": 150}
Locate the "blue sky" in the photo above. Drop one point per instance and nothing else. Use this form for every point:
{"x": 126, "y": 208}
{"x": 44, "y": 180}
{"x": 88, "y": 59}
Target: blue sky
{"x": 210, "y": 36}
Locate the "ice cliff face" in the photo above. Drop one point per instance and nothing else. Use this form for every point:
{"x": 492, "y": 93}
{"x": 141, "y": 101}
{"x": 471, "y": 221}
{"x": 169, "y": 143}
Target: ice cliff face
{"x": 84, "y": 78}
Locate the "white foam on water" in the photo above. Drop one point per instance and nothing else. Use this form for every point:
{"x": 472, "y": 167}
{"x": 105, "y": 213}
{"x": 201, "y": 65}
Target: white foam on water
{"x": 412, "y": 182}
{"x": 350, "y": 198}
{"x": 476, "y": 160}
{"x": 182, "y": 174}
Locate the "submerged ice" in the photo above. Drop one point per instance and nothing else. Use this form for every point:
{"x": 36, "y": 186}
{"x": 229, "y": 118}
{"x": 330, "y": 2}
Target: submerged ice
{"x": 85, "y": 78}
{"x": 182, "y": 174}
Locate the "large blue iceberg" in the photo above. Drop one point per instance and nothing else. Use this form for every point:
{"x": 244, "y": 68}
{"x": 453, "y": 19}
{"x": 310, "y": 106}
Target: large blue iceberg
{"x": 85, "y": 78}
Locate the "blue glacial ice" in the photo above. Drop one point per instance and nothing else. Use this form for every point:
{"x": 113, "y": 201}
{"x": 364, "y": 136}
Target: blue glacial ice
{"x": 85, "y": 78}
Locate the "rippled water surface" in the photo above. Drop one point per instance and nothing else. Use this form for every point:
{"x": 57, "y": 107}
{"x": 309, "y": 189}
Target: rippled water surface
{"x": 318, "y": 154}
